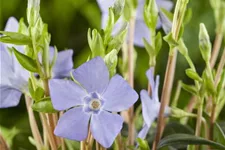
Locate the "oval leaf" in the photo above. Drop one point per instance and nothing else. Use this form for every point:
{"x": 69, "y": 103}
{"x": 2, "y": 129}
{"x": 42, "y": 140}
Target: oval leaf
{"x": 15, "y": 38}
{"x": 27, "y": 62}
{"x": 187, "y": 139}
{"x": 44, "y": 105}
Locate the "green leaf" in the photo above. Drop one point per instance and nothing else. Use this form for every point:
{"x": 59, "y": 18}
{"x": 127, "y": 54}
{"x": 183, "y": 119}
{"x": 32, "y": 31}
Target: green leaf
{"x": 158, "y": 42}
{"x": 143, "y": 144}
{"x": 15, "y": 38}
{"x": 193, "y": 74}
{"x": 118, "y": 8}
{"x": 168, "y": 14}
{"x": 27, "y": 62}
{"x": 39, "y": 93}
{"x": 96, "y": 43}
{"x": 32, "y": 141}
{"x": 170, "y": 40}
{"x": 31, "y": 88}
{"x": 187, "y": 139}
{"x": 44, "y": 105}
{"x": 189, "y": 88}
{"x": 111, "y": 61}
{"x": 219, "y": 135}
{"x": 204, "y": 43}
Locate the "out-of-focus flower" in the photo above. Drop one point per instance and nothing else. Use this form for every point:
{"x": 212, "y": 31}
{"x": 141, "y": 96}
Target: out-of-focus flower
{"x": 14, "y": 78}
{"x": 150, "y": 104}
{"x": 93, "y": 97}
{"x": 141, "y": 30}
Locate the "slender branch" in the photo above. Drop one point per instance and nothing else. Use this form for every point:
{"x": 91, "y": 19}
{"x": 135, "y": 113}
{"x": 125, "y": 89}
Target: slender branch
{"x": 214, "y": 106}
{"x": 216, "y": 48}
{"x": 50, "y": 135}
{"x": 167, "y": 87}
{"x": 220, "y": 67}
{"x": 131, "y": 125}
{"x": 3, "y": 144}
{"x": 33, "y": 124}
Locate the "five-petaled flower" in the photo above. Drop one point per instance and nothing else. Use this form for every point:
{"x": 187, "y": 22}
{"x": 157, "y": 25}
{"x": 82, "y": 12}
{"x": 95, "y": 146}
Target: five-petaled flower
{"x": 92, "y": 97}
{"x": 14, "y": 78}
{"x": 141, "y": 30}
{"x": 150, "y": 104}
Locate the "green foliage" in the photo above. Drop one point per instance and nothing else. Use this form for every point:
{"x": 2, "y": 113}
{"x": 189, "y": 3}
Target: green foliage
{"x": 96, "y": 43}
{"x": 15, "y": 38}
{"x": 187, "y": 139}
{"x": 27, "y": 62}
{"x": 143, "y": 144}
{"x": 44, "y": 105}
{"x": 111, "y": 62}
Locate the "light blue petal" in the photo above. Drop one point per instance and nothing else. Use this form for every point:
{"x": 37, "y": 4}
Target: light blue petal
{"x": 6, "y": 63}
{"x": 166, "y": 4}
{"x": 93, "y": 75}
{"x": 10, "y": 97}
{"x": 140, "y": 10}
{"x": 141, "y": 31}
{"x": 65, "y": 94}
{"x": 105, "y": 127}
{"x": 154, "y": 84}
{"x": 73, "y": 125}
{"x": 150, "y": 108}
{"x": 12, "y": 25}
{"x": 144, "y": 131}
{"x": 63, "y": 64}
{"x": 166, "y": 23}
{"x": 119, "y": 95}
{"x": 105, "y": 4}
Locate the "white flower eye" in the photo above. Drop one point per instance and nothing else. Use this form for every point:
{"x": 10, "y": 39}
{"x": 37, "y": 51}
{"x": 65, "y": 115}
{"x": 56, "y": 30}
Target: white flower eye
{"x": 95, "y": 104}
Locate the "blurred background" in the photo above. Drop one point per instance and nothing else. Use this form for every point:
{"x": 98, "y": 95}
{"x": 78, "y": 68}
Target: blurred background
{"x": 68, "y": 22}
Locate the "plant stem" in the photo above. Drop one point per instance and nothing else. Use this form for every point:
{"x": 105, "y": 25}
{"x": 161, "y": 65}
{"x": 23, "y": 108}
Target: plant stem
{"x": 33, "y": 124}
{"x": 177, "y": 94}
{"x": 220, "y": 67}
{"x": 131, "y": 125}
{"x": 214, "y": 105}
{"x": 50, "y": 136}
{"x": 82, "y": 145}
{"x": 3, "y": 144}
{"x": 212, "y": 121}
{"x": 216, "y": 48}
{"x": 167, "y": 87}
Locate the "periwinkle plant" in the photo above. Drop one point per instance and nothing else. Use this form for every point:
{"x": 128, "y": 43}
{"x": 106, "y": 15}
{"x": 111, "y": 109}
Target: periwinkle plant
{"x": 90, "y": 103}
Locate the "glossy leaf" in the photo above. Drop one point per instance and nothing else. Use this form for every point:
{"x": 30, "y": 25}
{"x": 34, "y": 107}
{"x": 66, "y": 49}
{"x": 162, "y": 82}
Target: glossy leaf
{"x": 187, "y": 139}
{"x": 15, "y": 38}
{"x": 27, "y": 62}
{"x": 44, "y": 105}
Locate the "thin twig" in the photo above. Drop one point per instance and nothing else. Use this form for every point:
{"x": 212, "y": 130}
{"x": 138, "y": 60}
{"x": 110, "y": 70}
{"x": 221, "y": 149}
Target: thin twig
{"x": 216, "y": 48}
{"x": 33, "y": 124}
{"x": 3, "y": 144}
{"x": 48, "y": 129}
{"x": 131, "y": 125}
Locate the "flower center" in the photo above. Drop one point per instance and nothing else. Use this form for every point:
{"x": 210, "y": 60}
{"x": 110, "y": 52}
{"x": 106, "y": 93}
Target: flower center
{"x": 95, "y": 104}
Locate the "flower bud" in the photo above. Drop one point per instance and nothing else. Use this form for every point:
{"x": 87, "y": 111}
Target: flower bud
{"x": 204, "y": 43}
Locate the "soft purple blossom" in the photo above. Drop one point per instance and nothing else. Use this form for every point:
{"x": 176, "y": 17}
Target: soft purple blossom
{"x": 91, "y": 98}
{"x": 14, "y": 78}
{"x": 150, "y": 104}
{"x": 141, "y": 30}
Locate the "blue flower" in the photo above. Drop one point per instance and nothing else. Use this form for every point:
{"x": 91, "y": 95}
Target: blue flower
{"x": 141, "y": 30}
{"x": 14, "y": 78}
{"x": 92, "y": 97}
{"x": 150, "y": 104}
